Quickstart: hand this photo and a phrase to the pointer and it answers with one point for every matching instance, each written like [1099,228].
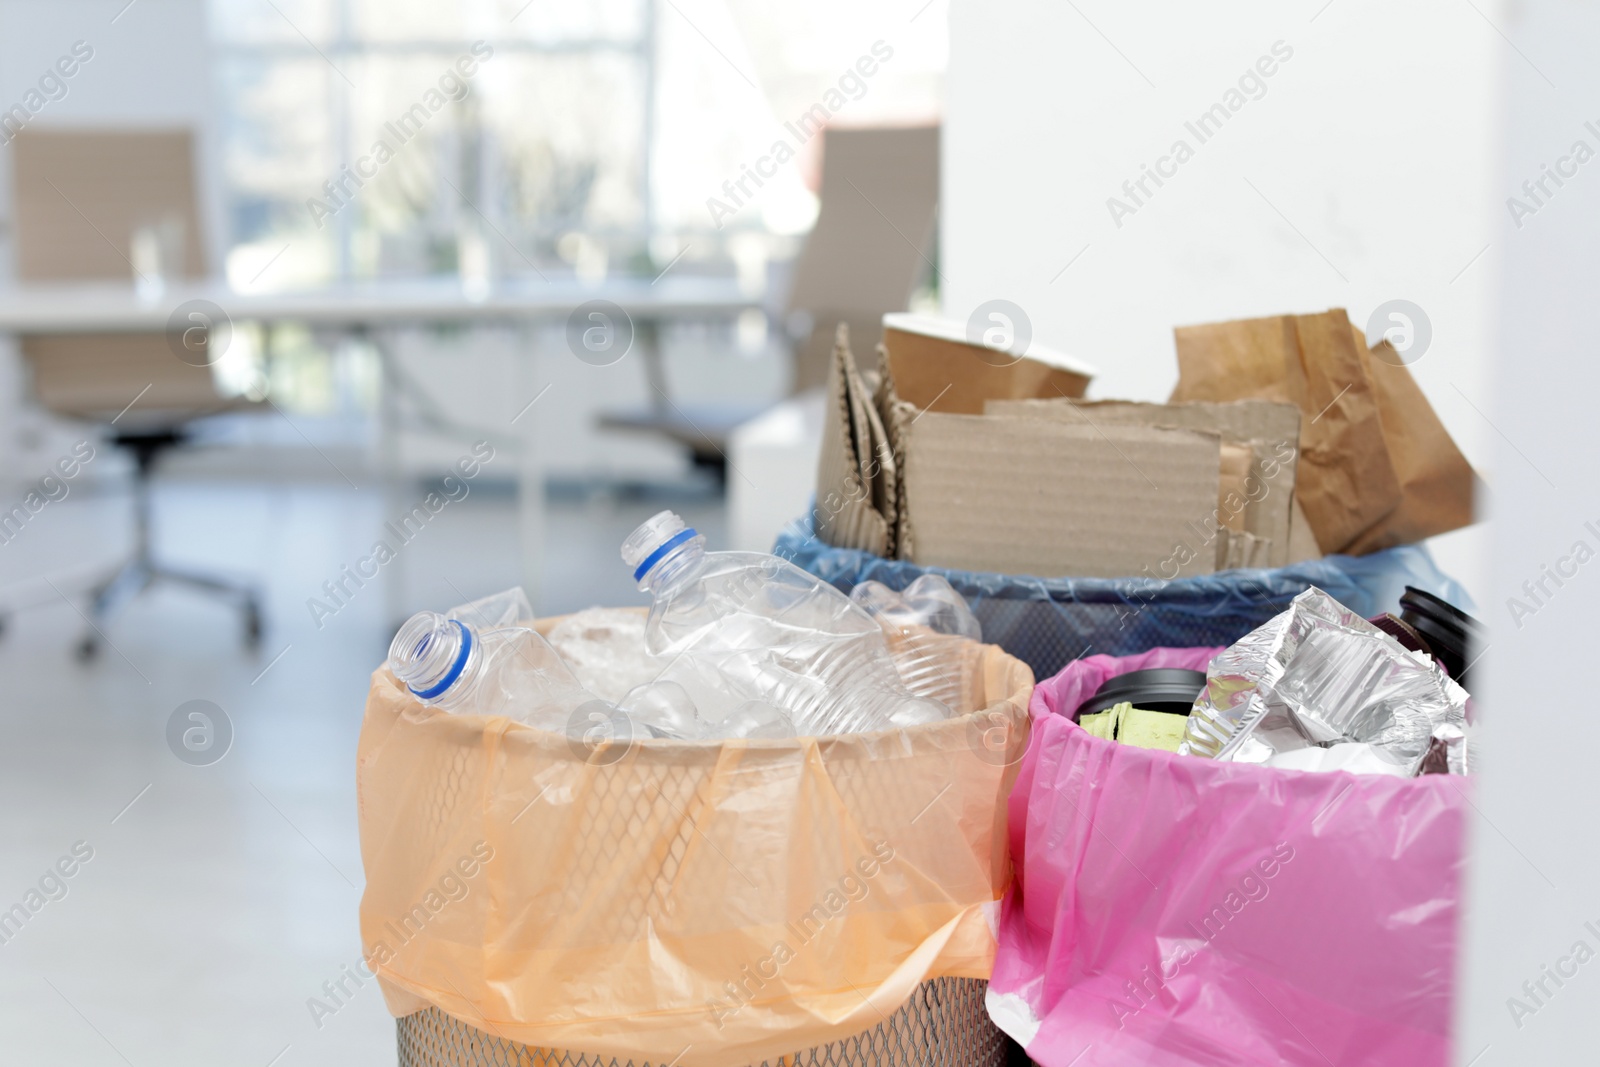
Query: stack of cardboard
[950,454]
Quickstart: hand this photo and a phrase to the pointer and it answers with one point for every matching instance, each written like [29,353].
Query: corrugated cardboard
[879,469]
[1256,501]
[936,368]
[1346,481]
[895,415]
[1233,485]
[1236,546]
[1302,542]
[849,468]
[1029,496]
[1237,550]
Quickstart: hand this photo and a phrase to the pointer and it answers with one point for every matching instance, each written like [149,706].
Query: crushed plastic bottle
[758,719]
[923,624]
[605,649]
[495,610]
[466,668]
[747,626]
[663,708]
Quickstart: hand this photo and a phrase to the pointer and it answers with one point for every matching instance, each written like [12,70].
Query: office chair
[81,196]
[871,243]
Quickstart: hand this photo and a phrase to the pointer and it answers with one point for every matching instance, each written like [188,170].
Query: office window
[369,138]
[591,142]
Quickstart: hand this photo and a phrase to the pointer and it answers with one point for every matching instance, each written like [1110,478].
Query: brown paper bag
[1346,481]
[1436,481]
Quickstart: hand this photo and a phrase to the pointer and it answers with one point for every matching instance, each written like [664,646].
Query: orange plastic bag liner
[710,904]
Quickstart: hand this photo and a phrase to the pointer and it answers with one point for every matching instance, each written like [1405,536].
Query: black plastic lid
[1449,631]
[1408,636]
[1170,689]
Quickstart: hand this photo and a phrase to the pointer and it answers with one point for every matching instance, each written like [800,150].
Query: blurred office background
[586,149]
[579,159]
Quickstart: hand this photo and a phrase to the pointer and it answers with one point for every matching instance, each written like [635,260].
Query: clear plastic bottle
[506,608]
[745,626]
[926,625]
[509,670]
[758,719]
[661,708]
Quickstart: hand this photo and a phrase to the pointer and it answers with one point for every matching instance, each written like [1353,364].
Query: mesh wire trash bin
[1047,622]
[711,903]
[944,1024]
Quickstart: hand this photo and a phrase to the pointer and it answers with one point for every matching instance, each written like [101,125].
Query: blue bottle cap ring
[666,546]
[455,668]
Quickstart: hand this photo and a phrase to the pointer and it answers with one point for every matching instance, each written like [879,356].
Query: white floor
[219,898]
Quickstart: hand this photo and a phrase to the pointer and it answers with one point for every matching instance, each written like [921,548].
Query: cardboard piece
[849,468]
[1436,481]
[874,447]
[1346,481]
[1236,545]
[1302,542]
[1028,496]
[1242,550]
[1255,495]
[896,415]
[936,368]
[1233,484]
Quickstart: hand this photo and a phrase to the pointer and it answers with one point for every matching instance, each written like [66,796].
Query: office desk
[375,309]
[34,309]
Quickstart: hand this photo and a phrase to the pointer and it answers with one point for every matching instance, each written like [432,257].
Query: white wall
[1536,872]
[1390,144]
[1360,175]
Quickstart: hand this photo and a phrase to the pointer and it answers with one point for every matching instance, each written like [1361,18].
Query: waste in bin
[713,903]
[1184,911]
[1048,621]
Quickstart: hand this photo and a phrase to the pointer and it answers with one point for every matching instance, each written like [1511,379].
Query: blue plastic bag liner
[1047,622]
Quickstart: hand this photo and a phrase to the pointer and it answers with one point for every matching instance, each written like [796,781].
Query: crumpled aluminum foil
[1319,674]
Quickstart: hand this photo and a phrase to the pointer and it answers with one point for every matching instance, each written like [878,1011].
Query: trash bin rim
[1209,770]
[1087,589]
[1018,699]
[424,712]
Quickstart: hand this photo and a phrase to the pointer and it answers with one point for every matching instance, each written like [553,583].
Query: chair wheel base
[253,627]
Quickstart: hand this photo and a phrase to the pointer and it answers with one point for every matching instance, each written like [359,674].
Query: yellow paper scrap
[1150,729]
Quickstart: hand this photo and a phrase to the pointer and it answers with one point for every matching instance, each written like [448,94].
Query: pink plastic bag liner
[1173,910]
